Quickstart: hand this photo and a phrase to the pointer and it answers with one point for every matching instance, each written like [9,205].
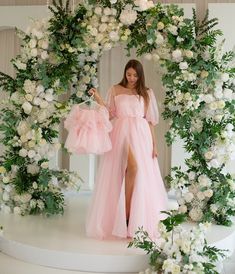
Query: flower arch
[63,51]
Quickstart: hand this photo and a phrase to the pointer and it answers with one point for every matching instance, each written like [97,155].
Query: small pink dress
[88,130]
[107,216]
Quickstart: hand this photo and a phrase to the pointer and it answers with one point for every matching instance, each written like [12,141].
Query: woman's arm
[154,154]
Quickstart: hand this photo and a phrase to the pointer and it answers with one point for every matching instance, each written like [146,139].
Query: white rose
[114,36]
[213,105]
[188,53]
[104,19]
[49,97]
[229,127]
[5,196]
[177,55]
[214,163]
[159,39]
[98,10]
[188,197]
[220,104]
[218,117]
[39,89]
[23,152]
[209,155]
[183,65]
[128,16]
[224,77]
[93,31]
[228,94]
[191,175]
[44,104]
[43,44]
[208,98]
[31,153]
[204,180]
[107,11]
[33,203]
[27,107]
[37,101]
[45,164]
[183,209]
[155,57]
[44,55]
[113,1]
[160,25]
[208,193]
[34,52]
[200,196]
[32,43]
[214,208]
[32,169]
[195,214]
[173,29]
[103,27]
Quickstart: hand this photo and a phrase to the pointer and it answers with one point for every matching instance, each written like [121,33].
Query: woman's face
[131,76]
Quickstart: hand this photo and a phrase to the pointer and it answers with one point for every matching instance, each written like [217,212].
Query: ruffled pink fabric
[88,130]
[107,213]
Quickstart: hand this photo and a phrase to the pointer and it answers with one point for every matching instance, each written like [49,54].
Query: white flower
[27,107]
[204,181]
[208,193]
[49,97]
[20,65]
[107,11]
[98,10]
[23,128]
[214,208]
[183,209]
[114,36]
[44,104]
[32,169]
[94,31]
[224,77]
[104,19]
[183,65]
[34,52]
[128,16]
[195,214]
[214,163]
[35,185]
[177,55]
[23,152]
[160,25]
[45,164]
[33,203]
[229,127]
[188,53]
[29,97]
[5,196]
[173,29]
[228,94]
[155,57]
[159,39]
[144,4]
[220,104]
[209,155]
[200,195]
[31,153]
[103,27]
[113,1]
[32,43]
[44,55]
[188,197]
[191,175]
[43,44]
[25,198]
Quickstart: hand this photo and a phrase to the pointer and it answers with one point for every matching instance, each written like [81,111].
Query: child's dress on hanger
[88,130]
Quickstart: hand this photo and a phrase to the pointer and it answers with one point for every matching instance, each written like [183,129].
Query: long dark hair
[141,89]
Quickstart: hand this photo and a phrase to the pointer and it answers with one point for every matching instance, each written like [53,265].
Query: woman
[129,191]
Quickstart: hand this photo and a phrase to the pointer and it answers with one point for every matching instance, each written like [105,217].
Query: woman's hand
[94,92]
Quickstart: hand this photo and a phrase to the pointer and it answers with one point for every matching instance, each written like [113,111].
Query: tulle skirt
[107,213]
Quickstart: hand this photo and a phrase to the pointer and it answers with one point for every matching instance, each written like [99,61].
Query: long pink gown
[106,215]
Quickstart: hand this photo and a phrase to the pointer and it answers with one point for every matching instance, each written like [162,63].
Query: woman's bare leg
[130,180]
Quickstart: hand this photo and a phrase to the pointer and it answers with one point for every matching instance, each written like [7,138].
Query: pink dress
[88,130]
[106,216]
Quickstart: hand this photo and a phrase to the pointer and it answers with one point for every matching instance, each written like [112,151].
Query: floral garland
[179,250]
[61,53]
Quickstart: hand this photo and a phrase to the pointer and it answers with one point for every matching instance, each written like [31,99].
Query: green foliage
[173,220]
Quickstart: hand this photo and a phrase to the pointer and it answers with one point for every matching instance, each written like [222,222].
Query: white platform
[60,242]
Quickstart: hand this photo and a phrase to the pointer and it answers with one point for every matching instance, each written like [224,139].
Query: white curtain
[9,48]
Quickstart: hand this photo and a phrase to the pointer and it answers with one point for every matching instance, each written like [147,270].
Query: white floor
[9,265]
[46,233]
